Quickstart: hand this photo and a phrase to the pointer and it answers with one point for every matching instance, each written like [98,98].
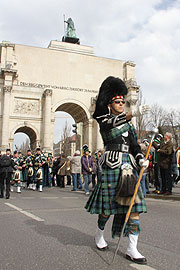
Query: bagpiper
[17,175]
[29,171]
[38,171]
[119,165]
[50,166]
[22,162]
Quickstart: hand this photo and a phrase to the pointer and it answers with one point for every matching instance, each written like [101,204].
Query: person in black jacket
[56,166]
[6,170]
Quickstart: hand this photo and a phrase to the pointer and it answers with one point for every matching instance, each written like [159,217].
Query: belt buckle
[125,148]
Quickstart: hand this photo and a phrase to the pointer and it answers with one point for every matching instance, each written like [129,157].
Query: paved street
[51,230]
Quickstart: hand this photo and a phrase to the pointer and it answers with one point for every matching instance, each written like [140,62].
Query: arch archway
[81,115]
[30,132]
[75,108]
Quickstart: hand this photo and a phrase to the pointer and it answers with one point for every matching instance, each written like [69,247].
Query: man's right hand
[129,116]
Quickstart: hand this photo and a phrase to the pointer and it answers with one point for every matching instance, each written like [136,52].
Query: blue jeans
[143,184]
[76,179]
[87,181]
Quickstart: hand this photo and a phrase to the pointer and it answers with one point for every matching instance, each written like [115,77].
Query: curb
[164,197]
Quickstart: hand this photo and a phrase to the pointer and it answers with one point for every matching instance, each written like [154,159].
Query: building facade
[36,82]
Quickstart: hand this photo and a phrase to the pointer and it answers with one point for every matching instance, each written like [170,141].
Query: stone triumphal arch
[36,82]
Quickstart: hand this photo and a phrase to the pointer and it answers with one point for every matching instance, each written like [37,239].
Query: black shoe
[139,261]
[73,189]
[7,196]
[1,196]
[162,192]
[168,193]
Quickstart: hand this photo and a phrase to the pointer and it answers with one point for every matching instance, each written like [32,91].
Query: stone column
[47,120]
[90,130]
[99,141]
[87,133]
[5,117]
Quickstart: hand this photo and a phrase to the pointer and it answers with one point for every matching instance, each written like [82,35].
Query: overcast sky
[144,31]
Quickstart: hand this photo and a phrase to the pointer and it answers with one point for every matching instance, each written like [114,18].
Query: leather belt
[117,147]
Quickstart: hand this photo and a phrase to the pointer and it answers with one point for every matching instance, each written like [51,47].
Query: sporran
[126,187]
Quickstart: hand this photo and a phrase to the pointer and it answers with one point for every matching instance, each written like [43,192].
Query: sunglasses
[118,101]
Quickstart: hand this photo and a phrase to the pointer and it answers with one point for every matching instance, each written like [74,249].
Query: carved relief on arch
[25,106]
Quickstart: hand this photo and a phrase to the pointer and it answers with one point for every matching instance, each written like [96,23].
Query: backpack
[5,161]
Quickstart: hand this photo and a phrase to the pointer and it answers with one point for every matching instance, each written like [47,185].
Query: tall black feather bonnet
[110,88]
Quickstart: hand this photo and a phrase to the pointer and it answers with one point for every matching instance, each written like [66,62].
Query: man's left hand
[144,163]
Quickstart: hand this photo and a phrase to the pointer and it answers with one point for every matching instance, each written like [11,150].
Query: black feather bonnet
[110,87]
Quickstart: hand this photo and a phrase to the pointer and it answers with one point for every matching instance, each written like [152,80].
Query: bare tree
[24,147]
[166,121]
[173,124]
[65,138]
[158,117]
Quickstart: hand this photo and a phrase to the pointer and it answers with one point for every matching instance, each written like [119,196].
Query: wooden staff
[133,198]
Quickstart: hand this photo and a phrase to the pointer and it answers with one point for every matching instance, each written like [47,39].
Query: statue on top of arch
[70,34]
[70,31]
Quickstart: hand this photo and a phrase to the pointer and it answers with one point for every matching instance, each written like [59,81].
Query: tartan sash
[109,135]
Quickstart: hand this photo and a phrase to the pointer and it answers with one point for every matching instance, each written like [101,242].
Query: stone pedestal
[71,40]
[99,141]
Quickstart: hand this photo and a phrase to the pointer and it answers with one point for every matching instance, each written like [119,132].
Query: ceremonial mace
[135,193]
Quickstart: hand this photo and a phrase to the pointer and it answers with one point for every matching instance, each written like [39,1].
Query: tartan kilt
[102,199]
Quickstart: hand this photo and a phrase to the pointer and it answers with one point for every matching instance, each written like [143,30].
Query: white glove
[144,163]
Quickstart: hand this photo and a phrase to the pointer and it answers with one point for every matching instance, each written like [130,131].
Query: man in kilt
[38,162]
[120,163]
[17,175]
[29,171]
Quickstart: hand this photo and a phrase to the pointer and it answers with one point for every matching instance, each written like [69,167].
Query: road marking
[24,212]
[141,267]
[49,197]
[162,201]
[70,197]
[28,198]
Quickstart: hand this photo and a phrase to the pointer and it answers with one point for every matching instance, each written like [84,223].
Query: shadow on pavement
[70,236]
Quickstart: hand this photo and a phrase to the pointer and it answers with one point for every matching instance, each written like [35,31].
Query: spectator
[157,175]
[68,172]
[174,170]
[150,172]
[97,170]
[164,162]
[6,170]
[55,168]
[87,168]
[94,171]
[144,148]
[61,171]
[178,163]
[75,162]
